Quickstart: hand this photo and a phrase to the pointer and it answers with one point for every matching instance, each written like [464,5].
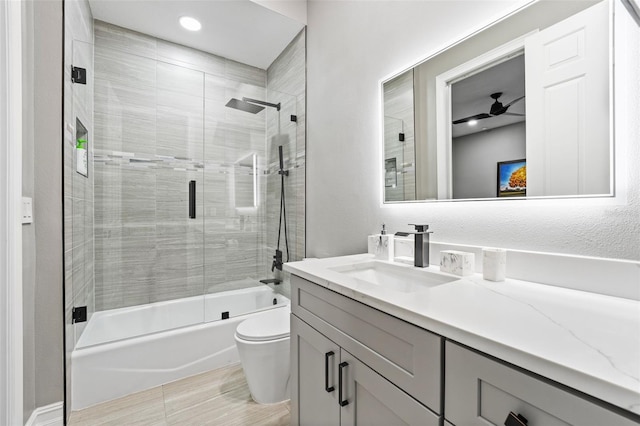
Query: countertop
[586,341]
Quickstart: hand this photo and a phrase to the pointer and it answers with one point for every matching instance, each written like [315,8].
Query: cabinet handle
[514,419]
[192,199]
[326,371]
[340,368]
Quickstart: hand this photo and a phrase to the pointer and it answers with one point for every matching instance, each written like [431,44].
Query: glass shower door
[148,149]
[179,183]
[282,131]
[79,189]
[242,195]
[234,157]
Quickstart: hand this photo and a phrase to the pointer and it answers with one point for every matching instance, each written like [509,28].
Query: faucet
[421,244]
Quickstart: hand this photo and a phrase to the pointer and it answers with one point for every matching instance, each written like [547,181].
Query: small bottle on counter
[381,245]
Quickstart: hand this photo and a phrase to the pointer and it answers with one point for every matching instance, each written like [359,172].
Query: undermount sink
[394,277]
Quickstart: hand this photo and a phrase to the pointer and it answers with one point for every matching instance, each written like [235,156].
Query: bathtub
[123,351]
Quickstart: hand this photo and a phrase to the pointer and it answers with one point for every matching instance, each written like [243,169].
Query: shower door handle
[192,199]
[326,371]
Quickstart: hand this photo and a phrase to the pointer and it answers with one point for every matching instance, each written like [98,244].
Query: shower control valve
[277,261]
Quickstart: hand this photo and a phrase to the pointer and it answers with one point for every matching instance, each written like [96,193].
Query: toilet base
[266,367]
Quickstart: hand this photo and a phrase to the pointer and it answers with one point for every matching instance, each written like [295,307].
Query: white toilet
[263,345]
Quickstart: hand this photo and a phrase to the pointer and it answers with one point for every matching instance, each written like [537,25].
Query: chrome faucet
[420,244]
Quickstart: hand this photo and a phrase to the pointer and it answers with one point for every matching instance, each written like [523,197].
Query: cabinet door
[370,399]
[314,369]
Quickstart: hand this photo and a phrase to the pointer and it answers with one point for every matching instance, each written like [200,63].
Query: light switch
[27,210]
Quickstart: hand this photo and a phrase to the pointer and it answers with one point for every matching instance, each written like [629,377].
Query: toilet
[263,346]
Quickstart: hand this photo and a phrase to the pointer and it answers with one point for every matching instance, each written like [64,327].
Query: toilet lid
[270,325]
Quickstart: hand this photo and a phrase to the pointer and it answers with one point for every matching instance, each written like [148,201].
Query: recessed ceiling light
[472,122]
[189,23]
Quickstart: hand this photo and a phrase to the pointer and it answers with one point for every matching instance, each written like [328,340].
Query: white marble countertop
[586,341]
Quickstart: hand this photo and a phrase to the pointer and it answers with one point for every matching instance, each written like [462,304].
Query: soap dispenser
[381,245]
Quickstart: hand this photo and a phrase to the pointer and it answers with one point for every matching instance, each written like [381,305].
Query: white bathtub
[127,350]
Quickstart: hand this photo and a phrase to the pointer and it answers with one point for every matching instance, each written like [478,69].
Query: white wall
[42,179]
[352,45]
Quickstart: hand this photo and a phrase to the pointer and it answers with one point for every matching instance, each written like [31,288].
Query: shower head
[250,105]
[244,106]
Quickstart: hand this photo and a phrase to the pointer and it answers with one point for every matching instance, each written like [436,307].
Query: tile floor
[218,397]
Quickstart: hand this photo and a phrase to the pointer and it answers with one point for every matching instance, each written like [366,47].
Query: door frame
[11,365]
[443,103]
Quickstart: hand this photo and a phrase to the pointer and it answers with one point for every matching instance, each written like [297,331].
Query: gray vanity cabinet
[391,370]
[332,387]
[394,372]
[481,391]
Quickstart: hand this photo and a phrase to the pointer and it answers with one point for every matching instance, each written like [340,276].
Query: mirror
[245,181]
[519,109]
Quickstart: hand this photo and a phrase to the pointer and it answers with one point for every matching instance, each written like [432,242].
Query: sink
[394,277]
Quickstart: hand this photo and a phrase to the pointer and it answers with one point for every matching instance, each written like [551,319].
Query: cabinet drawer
[481,391]
[404,354]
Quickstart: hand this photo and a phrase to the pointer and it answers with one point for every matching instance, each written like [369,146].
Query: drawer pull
[514,419]
[340,368]
[326,371]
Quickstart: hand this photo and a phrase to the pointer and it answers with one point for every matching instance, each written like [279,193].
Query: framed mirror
[533,89]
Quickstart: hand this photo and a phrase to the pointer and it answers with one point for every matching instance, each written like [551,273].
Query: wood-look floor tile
[282,418]
[218,397]
[142,408]
[190,392]
[234,407]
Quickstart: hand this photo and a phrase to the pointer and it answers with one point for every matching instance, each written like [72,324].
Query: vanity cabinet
[387,371]
[390,369]
[482,391]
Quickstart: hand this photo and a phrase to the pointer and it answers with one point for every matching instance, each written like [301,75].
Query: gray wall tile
[114,37]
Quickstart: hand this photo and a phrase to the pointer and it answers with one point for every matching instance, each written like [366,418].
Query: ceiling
[472,96]
[242,30]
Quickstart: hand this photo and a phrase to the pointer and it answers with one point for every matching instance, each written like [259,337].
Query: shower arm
[258,102]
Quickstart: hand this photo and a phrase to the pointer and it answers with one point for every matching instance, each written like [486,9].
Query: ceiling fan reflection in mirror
[497,108]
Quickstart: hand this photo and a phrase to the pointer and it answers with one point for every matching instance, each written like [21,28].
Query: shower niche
[82,149]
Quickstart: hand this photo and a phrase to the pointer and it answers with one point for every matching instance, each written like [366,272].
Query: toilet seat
[270,325]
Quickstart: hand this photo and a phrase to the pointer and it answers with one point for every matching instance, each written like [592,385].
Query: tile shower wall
[286,83]
[78,189]
[160,122]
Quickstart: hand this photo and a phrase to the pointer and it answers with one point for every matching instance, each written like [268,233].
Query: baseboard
[49,415]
